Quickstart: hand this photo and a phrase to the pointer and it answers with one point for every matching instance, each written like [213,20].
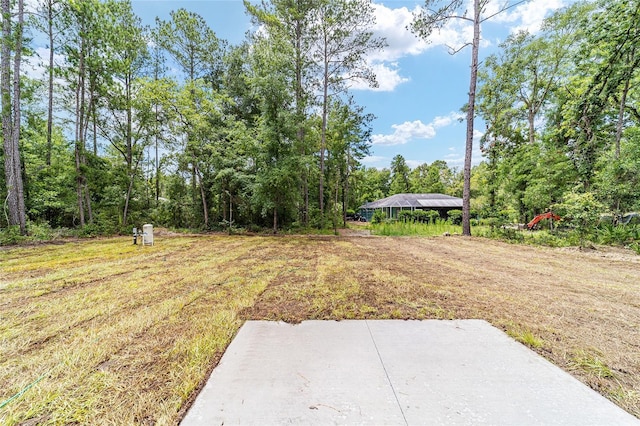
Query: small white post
[147,234]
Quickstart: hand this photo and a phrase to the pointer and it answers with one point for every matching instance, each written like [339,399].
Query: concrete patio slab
[393,373]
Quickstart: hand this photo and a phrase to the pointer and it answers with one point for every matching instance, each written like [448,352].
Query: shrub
[580,211]
[432,215]
[544,238]
[378,217]
[420,216]
[511,234]
[608,233]
[10,235]
[493,222]
[455,216]
[406,216]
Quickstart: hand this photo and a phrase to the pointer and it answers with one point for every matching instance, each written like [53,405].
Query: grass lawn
[104,332]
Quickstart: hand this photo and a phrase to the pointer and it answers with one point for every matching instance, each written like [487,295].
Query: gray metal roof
[435,201]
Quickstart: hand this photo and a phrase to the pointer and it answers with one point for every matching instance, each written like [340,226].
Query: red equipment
[547,215]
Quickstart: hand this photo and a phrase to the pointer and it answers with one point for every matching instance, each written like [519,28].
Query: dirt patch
[354,232]
[604,252]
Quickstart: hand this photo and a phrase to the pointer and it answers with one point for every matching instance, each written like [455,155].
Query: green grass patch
[592,364]
[525,336]
[401,228]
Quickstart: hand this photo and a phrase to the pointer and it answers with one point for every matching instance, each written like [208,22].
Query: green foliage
[503,233]
[192,44]
[11,235]
[435,178]
[406,216]
[580,211]
[378,217]
[50,188]
[623,235]
[618,177]
[35,232]
[399,176]
[545,238]
[420,216]
[559,116]
[373,184]
[455,216]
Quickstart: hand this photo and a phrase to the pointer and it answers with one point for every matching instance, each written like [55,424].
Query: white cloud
[31,6]
[377,162]
[373,159]
[528,16]
[392,24]
[414,163]
[411,130]
[454,35]
[387,75]
[36,67]
[405,132]
[456,159]
[448,119]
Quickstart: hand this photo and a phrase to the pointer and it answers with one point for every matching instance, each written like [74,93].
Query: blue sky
[421,86]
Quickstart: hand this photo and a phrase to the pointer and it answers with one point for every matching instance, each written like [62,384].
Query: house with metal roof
[392,205]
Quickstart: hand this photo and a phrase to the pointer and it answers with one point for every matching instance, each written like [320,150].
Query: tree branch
[505,7]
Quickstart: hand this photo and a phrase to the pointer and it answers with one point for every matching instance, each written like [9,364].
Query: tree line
[562,117]
[264,133]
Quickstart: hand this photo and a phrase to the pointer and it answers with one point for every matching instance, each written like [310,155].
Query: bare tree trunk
[299,92]
[334,210]
[323,145]
[11,115]
[306,197]
[94,123]
[79,132]
[22,217]
[345,190]
[205,207]
[126,201]
[11,202]
[131,167]
[79,185]
[275,219]
[50,94]
[157,159]
[87,197]
[323,138]
[620,124]
[532,127]
[466,192]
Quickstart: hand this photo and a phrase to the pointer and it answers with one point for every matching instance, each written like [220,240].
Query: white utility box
[147,234]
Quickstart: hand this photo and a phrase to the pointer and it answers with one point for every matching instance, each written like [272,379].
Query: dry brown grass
[121,334]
